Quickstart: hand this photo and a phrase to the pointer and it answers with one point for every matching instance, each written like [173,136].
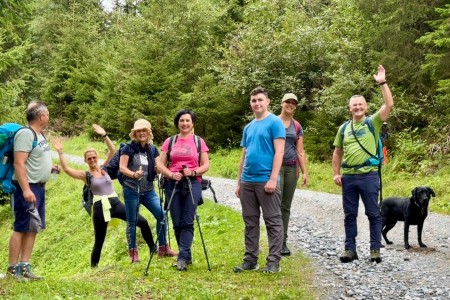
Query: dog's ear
[413,192]
[431,191]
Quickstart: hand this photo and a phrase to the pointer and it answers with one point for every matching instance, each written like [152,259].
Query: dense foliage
[150,58]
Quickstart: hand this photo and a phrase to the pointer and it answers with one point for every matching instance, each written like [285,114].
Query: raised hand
[58,145]
[380,77]
[98,129]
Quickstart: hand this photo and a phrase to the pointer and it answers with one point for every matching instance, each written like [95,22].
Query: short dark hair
[259,90]
[35,109]
[184,112]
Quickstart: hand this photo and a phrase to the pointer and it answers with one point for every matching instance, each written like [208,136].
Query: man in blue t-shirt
[258,187]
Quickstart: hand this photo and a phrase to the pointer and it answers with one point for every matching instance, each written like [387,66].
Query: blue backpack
[7,133]
[376,159]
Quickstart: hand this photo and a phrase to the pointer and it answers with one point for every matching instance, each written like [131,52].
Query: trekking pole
[138,204]
[160,230]
[161,201]
[198,222]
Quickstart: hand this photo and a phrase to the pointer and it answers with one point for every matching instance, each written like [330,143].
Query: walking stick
[165,219]
[198,222]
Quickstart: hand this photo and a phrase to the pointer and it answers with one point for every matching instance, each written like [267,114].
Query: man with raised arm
[354,153]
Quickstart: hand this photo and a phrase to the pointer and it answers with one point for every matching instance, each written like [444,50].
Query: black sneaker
[181,265]
[348,256]
[375,255]
[285,250]
[26,272]
[272,267]
[246,266]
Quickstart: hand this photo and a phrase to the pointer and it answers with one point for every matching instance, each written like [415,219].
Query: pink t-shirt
[184,152]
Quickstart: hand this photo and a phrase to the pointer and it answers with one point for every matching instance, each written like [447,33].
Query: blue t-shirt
[258,139]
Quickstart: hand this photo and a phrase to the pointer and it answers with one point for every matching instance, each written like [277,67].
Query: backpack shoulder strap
[172,141]
[369,123]
[88,178]
[343,128]
[35,140]
[297,127]
[198,145]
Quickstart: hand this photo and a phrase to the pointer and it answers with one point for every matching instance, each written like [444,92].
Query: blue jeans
[151,201]
[182,211]
[367,186]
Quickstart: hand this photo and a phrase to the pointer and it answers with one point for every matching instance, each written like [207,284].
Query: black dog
[412,211]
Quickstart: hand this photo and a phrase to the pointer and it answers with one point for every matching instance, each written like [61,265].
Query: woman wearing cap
[137,163]
[294,157]
[106,202]
[183,165]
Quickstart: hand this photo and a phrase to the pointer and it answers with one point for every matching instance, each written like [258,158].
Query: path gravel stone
[317,229]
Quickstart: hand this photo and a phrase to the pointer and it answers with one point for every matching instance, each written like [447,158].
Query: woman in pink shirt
[184,159]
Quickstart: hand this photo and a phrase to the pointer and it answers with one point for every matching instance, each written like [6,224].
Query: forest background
[150,58]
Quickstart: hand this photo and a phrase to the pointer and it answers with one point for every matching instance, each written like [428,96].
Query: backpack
[206,183]
[297,128]
[377,158]
[7,133]
[113,167]
[87,197]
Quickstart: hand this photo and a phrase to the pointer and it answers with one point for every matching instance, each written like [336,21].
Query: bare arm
[20,159]
[386,108]
[301,155]
[77,174]
[278,145]
[111,149]
[336,164]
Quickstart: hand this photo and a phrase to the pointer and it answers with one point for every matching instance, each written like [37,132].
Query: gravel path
[317,229]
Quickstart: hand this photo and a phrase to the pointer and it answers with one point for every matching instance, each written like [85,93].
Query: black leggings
[100,227]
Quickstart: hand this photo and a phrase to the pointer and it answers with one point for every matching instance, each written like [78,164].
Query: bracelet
[382,83]
[60,152]
[105,135]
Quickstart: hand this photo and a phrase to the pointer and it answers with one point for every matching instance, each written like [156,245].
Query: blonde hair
[89,150]
[149,138]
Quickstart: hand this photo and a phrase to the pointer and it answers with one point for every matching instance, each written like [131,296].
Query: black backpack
[87,197]
[113,165]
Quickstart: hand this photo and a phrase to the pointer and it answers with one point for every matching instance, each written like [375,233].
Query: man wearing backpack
[359,170]
[32,166]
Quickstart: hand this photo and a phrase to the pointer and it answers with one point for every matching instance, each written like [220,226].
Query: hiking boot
[134,257]
[25,270]
[181,265]
[165,250]
[188,262]
[348,256]
[375,256]
[272,267]
[14,272]
[285,250]
[246,266]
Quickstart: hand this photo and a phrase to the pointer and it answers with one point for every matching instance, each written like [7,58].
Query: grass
[62,251]
[62,256]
